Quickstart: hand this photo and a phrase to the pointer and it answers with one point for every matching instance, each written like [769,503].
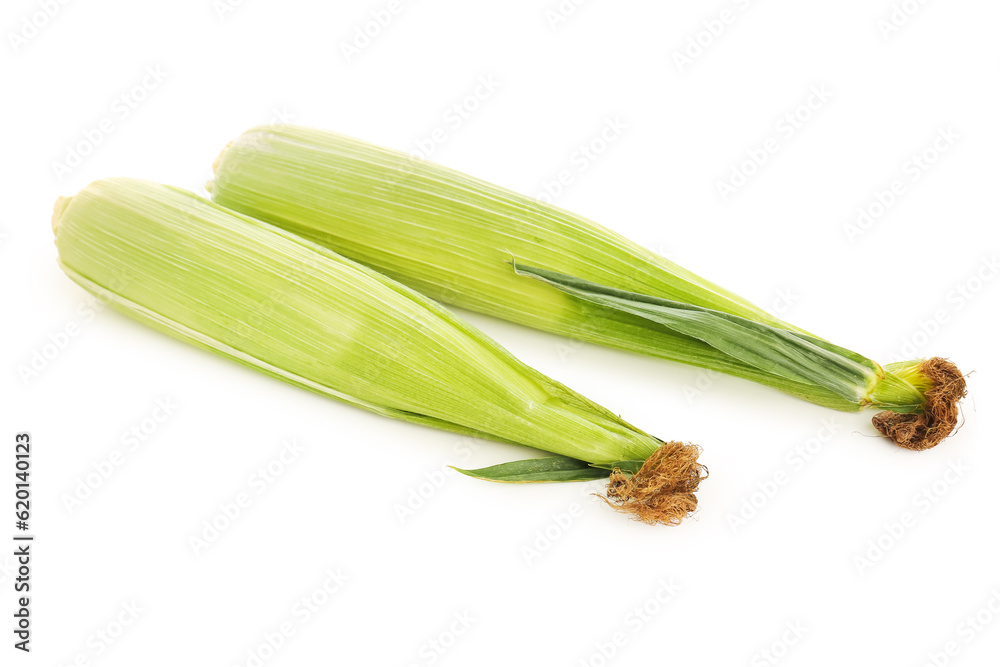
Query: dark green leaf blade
[547,469]
[627,467]
[794,356]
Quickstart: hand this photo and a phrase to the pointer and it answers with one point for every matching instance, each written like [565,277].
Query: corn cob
[299,312]
[466,242]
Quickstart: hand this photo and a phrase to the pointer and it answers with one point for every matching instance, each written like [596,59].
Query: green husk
[545,469]
[294,310]
[458,239]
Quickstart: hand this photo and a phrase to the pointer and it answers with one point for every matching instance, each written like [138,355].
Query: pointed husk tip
[57,212]
[210,183]
[940,416]
[663,491]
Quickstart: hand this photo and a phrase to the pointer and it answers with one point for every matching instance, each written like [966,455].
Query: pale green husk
[459,240]
[297,311]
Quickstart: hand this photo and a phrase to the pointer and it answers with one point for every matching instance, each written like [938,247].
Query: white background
[823,552]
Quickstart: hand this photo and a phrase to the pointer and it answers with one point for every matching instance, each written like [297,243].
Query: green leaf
[547,469]
[791,355]
[628,467]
